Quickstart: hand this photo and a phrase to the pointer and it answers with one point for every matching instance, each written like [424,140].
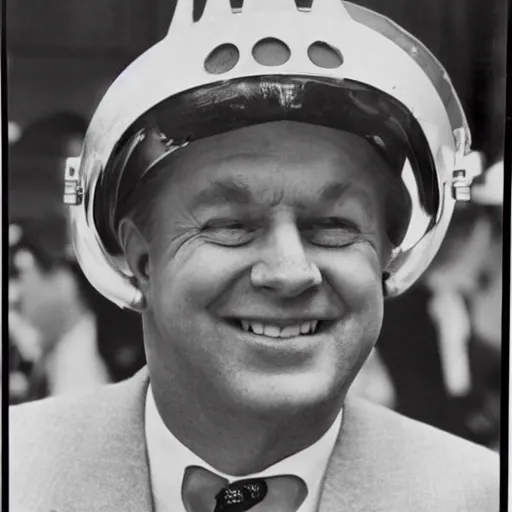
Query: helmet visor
[225,106]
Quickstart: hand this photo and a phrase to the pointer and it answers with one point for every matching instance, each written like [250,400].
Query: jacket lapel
[358,477]
[379,464]
[337,494]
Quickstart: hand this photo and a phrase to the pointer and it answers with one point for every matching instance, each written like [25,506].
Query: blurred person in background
[448,374]
[60,327]
[57,135]
[49,308]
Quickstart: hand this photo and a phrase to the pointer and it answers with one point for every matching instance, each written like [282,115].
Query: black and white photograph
[256,255]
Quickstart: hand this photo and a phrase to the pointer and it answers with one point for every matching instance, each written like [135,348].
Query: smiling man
[264,291]
[256,209]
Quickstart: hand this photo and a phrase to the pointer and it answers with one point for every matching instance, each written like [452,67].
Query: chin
[288,394]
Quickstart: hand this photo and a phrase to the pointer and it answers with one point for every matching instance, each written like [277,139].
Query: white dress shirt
[168,459]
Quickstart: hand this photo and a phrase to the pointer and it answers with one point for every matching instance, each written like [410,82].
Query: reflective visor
[226,106]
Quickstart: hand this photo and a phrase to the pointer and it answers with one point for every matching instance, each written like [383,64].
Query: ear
[136,251]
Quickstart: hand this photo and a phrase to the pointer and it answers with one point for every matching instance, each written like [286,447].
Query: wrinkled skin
[276,222]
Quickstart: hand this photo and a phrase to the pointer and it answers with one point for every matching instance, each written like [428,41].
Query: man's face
[265,266]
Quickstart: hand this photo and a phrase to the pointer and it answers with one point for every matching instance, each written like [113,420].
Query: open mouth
[270,330]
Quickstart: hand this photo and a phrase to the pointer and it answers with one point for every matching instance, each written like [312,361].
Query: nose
[284,268]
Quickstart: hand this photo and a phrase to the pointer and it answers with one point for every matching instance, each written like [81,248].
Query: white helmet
[334,64]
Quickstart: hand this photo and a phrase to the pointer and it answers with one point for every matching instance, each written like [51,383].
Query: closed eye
[229,232]
[331,232]
[224,225]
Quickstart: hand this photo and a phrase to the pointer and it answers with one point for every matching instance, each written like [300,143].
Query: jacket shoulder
[423,457]
[416,432]
[57,416]
[58,446]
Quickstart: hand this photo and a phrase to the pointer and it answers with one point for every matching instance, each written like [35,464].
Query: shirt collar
[168,459]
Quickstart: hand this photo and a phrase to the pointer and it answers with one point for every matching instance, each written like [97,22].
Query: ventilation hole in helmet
[324,55]
[222,59]
[304,5]
[271,52]
[198,9]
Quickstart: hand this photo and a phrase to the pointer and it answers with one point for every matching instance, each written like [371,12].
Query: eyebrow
[333,192]
[220,192]
[237,192]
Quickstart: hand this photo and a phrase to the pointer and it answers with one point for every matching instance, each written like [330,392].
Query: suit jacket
[88,454]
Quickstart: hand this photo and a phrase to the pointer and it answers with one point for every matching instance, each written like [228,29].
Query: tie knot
[241,495]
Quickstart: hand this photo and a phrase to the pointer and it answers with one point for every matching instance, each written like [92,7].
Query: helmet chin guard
[333,43]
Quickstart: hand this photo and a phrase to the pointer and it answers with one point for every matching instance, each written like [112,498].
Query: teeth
[290,331]
[305,327]
[273,331]
[257,327]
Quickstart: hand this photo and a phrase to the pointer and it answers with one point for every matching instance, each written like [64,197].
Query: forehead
[285,156]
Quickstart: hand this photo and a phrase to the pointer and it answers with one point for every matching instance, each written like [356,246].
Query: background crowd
[438,358]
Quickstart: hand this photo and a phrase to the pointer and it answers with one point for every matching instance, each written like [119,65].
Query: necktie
[203,491]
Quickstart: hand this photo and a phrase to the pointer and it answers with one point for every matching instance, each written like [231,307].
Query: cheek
[355,274]
[355,277]
[196,275]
